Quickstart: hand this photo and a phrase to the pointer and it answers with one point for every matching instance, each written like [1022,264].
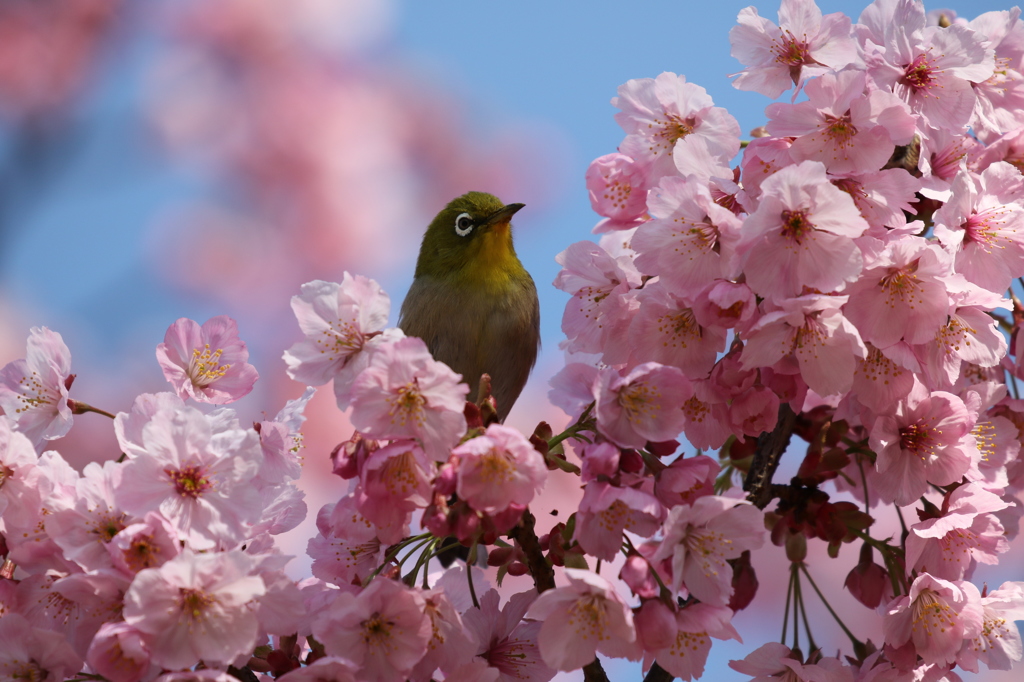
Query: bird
[472,301]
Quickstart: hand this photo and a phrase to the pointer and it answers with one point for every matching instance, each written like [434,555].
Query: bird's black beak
[503,215]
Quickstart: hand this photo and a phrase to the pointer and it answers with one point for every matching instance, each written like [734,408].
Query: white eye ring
[463,224]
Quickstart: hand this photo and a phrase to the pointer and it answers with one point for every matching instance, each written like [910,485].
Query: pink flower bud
[637,573]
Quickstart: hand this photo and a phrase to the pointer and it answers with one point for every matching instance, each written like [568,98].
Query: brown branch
[526,535]
[658,674]
[593,672]
[770,447]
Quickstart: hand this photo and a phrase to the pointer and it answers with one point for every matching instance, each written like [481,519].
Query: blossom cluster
[854,270]
[848,283]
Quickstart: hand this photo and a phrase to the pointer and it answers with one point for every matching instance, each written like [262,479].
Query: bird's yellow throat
[492,263]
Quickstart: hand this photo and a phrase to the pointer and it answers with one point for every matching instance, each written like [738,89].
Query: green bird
[472,301]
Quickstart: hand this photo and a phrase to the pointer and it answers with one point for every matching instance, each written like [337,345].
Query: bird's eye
[463,224]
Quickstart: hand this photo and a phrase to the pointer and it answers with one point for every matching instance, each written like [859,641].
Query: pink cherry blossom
[451,644]
[802,46]
[776,661]
[686,479]
[508,643]
[982,224]
[998,644]
[606,511]
[1001,97]
[691,239]
[618,191]
[197,478]
[499,468]
[841,125]
[573,387]
[74,604]
[347,549]
[901,295]
[149,543]
[933,619]
[699,538]
[383,630]
[281,441]
[813,331]
[85,530]
[596,281]
[665,330]
[34,391]
[970,335]
[196,608]
[120,653]
[879,381]
[724,304]
[643,405]
[340,323]
[581,619]
[801,235]
[967,531]
[661,116]
[706,415]
[394,482]
[208,363]
[930,68]
[34,653]
[688,651]
[925,440]
[19,473]
[884,198]
[405,393]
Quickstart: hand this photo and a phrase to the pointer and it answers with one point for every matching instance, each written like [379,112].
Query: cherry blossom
[194,608]
[901,295]
[812,330]
[933,619]
[998,644]
[119,652]
[405,393]
[803,45]
[982,225]
[618,191]
[802,234]
[383,630]
[841,125]
[661,116]
[947,546]
[394,482]
[699,538]
[688,650]
[596,282]
[208,363]
[30,652]
[666,330]
[347,548]
[930,68]
[34,391]
[196,477]
[499,468]
[606,511]
[691,239]
[586,617]
[643,405]
[926,440]
[341,323]
[508,643]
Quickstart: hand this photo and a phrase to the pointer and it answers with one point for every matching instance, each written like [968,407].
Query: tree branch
[770,447]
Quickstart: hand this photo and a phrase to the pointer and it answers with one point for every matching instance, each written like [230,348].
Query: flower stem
[78,407]
[856,642]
